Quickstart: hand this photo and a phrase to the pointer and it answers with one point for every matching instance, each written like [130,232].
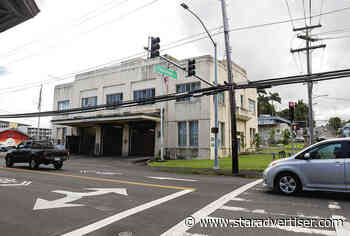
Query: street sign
[165,71]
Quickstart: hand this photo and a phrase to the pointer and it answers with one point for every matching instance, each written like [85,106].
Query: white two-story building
[136,130]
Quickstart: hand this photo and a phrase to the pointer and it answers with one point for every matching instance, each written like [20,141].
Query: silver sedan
[324,166]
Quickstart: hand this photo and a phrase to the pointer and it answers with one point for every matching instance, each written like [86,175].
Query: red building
[12,137]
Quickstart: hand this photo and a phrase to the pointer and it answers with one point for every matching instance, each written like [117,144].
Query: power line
[66,76]
[85,32]
[76,22]
[240,28]
[290,14]
[321,9]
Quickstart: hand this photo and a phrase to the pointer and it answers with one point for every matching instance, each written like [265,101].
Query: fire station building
[133,131]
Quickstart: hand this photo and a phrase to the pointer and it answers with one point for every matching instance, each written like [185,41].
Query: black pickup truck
[36,153]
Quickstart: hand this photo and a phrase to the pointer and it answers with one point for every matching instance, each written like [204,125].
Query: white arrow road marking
[41,204]
[169,178]
[342,230]
[181,227]
[112,219]
[25,183]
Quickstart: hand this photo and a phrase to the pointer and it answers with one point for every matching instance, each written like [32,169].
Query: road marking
[42,204]
[342,230]
[240,199]
[334,205]
[24,183]
[100,172]
[262,211]
[169,178]
[112,219]
[100,179]
[181,227]
[293,229]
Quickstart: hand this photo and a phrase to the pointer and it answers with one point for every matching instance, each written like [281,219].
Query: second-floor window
[89,102]
[182,88]
[140,95]
[251,105]
[242,101]
[63,105]
[114,98]
[193,133]
[221,98]
[182,133]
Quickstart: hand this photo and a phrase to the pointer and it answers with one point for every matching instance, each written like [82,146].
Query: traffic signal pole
[234,143]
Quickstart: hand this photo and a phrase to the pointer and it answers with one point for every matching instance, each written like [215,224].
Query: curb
[206,171]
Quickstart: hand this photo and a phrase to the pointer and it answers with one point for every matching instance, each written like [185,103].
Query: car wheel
[9,162]
[287,183]
[58,165]
[33,164]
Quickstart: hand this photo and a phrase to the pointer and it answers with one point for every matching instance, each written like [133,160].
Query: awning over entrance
[94,120]
[14,12]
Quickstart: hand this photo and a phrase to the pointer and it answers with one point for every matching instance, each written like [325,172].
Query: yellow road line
[101,179]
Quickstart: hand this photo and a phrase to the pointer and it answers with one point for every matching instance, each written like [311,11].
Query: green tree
[264,99]
[301,112]
[286,136]
[335,123]
[272,138]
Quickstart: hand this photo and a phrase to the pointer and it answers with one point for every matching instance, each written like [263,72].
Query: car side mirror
[307,156]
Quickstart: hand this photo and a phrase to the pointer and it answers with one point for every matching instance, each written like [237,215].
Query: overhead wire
[290,14]
[66,76]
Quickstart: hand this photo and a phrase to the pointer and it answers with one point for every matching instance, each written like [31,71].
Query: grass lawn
[246,162]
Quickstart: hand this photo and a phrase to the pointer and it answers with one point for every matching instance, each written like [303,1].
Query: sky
[71,36]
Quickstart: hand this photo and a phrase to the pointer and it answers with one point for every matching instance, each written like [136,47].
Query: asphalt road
[103,196]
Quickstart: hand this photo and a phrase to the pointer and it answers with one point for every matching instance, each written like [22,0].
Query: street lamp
[216,165]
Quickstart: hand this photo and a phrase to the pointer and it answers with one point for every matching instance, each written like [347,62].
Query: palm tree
[274,97]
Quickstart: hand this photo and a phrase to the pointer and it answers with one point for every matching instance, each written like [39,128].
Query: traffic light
[191,67]
[155,47]
[291,111]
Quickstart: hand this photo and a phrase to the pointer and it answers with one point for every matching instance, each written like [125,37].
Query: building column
[125,144]
[98,141]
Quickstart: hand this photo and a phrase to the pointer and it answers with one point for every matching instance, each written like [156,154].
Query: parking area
[258,211]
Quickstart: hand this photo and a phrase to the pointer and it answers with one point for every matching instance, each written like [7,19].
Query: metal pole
[234,144]
[292,137]
[216,165]
[39,108]
[309,87]
[161,124]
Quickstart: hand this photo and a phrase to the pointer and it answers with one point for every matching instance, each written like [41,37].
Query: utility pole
[39,109]
[308,49]
[234,144]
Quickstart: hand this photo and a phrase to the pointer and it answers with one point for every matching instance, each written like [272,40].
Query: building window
[242,101]
[63,105]
[182,88]
[194,133]
[221,98]
[222,134]
[114,98]
[182,134]
[140,95]
[251,105]
[89,102]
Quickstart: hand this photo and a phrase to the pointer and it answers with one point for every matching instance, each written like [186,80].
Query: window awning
[14,12]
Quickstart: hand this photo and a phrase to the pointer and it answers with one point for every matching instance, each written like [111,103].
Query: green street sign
[166,71]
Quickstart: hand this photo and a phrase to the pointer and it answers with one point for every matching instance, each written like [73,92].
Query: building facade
[136,130]
[272,124]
